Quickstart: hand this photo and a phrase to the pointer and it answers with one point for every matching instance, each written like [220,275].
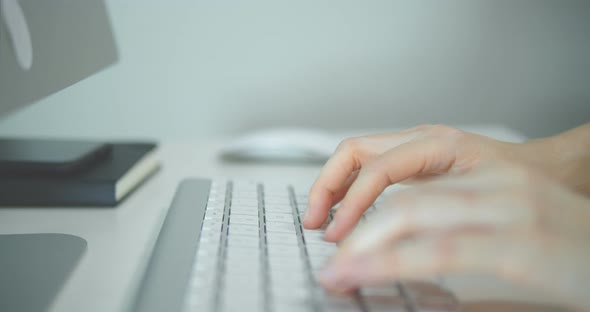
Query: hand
[361,168]
[506,220]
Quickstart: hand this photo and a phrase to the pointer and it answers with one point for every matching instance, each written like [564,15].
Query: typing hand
[361,168]
[504,219]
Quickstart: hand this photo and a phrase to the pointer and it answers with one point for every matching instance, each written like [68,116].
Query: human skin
[514,210]
[502,219]
[362,167]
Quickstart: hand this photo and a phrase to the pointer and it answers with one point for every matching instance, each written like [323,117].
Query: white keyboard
[254,255]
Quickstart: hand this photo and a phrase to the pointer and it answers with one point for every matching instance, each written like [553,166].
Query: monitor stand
[34,268]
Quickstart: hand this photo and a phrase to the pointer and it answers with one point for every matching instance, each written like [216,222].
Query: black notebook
[104,184]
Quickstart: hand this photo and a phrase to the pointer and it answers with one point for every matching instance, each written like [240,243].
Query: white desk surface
[120,239]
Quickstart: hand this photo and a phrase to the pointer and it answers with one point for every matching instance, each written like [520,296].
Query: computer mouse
[281,145]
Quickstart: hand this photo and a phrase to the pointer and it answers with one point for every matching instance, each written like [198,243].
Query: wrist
[542,154]
[563,157]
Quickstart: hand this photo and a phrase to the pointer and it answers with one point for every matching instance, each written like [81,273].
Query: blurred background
[190,69]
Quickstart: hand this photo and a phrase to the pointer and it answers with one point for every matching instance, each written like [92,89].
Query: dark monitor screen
[46,46]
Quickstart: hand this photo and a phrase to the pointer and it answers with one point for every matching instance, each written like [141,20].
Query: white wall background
[197,68]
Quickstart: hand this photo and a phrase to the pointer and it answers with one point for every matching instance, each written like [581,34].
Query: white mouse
[283,145]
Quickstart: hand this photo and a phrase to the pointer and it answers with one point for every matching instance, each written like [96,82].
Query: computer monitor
[46,46]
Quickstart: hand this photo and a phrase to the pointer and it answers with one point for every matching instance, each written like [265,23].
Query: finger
[336,198]
[434,209]
[363,194]
[342,192]
[420,179]
[398,164]
[350,156]
[331,180]
[558,267]
[427,257]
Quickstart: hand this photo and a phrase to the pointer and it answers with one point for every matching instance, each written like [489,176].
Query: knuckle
[454,134]
[443,129]
[446,132]
[350,144]
[355,148]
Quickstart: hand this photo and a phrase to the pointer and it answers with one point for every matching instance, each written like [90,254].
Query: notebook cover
[96,186]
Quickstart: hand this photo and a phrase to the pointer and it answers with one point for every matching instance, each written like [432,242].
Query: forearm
[565,156]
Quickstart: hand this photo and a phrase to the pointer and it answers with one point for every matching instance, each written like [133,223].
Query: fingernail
[306,215]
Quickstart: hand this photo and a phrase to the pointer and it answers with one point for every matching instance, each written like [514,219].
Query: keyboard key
[281,235]
[277,201]
[321,251]
[338,303]
[385,298]
[248,211]
[289,280]
[200,282]
[212,225]
[283,294]
[282,208]
[239,281]
[281,268]
[247,303]
[438,304]
[283,252]
[279,217]
[199,301]
[243,219]
[286,240]
[419,289]
[284,227]
[236,256]
[243,241]
[207,253]
[250,269]
[293,306]
[244,229]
